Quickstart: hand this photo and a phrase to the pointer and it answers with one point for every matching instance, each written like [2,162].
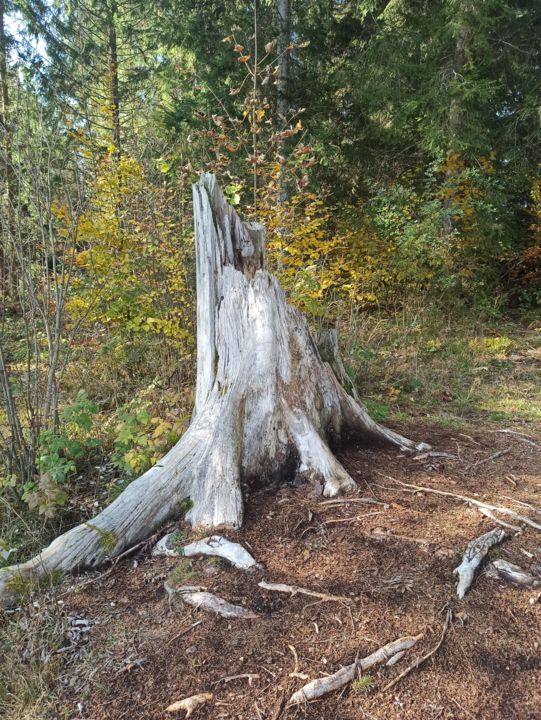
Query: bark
[282,99]
[9,181]
[267,407]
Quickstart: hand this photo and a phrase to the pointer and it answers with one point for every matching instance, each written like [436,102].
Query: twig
[494,456]
[419,662]
[185,631]
[243,676]
[350,519]
[115,562]
[523,504]
[351,501]
[520,436]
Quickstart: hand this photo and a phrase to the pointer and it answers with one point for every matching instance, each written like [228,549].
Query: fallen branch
[471,501]
[419,662]
[473,557]
[352,501]
[295,590]
[503,570]
[494,456]
[322,686]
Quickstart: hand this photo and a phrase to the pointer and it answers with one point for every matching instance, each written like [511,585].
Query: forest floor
[125,656]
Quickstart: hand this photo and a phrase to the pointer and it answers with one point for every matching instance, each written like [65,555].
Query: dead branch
[419,662]
[514,574]
[321,686]
[473,557]
[494,456]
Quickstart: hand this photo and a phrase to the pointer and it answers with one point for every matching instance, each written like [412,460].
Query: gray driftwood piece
[215,546]
[473,557]
[514,574]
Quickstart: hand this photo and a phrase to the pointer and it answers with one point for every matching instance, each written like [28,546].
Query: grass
[363,685]
[29,643]
[181,573]
[452,371]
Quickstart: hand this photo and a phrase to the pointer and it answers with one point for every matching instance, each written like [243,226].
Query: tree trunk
[267,406]
[113,70]
[282,100]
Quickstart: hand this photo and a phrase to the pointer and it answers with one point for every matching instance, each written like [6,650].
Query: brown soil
[395,563]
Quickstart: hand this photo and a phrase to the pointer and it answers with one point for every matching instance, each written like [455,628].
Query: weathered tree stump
[268,408]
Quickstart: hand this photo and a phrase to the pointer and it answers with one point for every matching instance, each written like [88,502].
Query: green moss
[180,574]
[108,538]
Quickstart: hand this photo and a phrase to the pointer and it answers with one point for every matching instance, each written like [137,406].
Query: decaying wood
[295,590]
[207,601]
[322,686]
[216,546]
[419,662]
[514,574]
[267,407]
[470,501]
[189,704]
[474,556]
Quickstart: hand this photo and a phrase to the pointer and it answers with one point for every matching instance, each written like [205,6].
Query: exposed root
[474,556]
[295,590]
[216,546]
[322,686]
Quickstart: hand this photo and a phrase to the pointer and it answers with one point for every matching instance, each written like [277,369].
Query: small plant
[363,685]
[181,573]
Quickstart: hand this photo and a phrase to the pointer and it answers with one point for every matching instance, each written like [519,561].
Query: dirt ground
[393,561]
